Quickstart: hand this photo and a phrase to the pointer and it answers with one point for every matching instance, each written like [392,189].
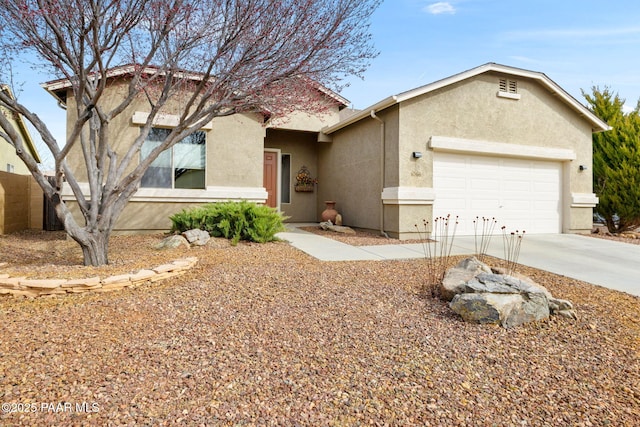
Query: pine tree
[616,161]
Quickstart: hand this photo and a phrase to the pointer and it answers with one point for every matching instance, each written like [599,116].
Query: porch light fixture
[582,168]
[417,154]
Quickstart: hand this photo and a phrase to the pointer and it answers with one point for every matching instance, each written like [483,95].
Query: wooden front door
[270,177]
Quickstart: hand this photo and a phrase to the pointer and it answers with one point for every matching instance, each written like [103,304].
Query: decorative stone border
[34,288]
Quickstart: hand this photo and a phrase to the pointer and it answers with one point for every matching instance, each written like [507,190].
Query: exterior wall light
[582,168]
[417,154]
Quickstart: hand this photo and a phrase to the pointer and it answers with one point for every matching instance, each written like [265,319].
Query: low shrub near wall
[233,220]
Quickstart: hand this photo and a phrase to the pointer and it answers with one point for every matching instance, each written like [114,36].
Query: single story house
[494,141]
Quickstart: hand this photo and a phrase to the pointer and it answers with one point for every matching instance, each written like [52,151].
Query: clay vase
[329,214]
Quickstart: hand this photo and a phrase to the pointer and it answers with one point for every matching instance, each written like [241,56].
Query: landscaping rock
[197,237]
[630,235]
[172,242]
[328,225]
[456,277]
[480,295]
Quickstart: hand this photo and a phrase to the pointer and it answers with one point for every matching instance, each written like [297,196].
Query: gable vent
[509,86]
[508,89]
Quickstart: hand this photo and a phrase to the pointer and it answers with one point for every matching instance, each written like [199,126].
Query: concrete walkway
[611,264]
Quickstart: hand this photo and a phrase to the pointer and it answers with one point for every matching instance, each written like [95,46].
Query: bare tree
[220,57]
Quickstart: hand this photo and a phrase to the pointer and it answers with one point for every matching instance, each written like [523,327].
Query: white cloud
[440,8]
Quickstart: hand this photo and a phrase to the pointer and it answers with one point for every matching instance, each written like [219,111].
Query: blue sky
[578,44]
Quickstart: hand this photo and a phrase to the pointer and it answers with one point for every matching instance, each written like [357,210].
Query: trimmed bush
[233,220]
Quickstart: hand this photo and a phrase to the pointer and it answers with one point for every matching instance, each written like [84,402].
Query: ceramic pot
[329,214]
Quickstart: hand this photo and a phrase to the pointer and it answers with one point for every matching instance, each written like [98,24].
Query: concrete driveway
[607,263]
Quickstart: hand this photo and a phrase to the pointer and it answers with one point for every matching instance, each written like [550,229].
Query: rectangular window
[10,168]
[181,166]
[285,191]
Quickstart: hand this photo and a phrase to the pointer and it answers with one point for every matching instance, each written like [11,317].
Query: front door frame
[278,173]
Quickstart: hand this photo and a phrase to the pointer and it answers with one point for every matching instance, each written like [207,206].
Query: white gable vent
[508,89]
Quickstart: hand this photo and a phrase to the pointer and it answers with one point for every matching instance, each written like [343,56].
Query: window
[285,193]
[181,166]
[10,168]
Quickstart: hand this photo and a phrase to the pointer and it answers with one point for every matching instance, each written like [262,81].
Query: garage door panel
[519,193]
[484,205]
[484,184]
[516,185]
[518,205]
[448,205]
[548,207]
[454,183]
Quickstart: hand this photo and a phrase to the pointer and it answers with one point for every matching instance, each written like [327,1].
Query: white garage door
[520,194]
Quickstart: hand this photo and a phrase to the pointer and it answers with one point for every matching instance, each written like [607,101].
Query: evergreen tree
[616,161]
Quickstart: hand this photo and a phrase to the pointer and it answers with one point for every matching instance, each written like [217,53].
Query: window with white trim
[181,166]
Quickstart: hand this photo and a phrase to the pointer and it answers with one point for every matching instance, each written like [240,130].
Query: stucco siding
[351,171]
[234,147]
[235,151]
[302,147]
[8,156]
[471,110]
[306,122]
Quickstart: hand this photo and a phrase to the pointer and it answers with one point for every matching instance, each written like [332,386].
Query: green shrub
[616,162]
[233,220]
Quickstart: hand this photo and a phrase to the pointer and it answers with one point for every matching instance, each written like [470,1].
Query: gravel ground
[266,335]
[361,237]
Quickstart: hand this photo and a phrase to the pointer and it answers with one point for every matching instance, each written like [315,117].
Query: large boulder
[480,294]
[456,278]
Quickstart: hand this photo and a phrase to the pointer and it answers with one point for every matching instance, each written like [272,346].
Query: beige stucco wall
[351,169]
[234,140]
[234,170]
[234,159]
[306,122]
[472,110]
[21,203]
[8,152]
[235,151]
[8,156]
[302,147]
[469,110]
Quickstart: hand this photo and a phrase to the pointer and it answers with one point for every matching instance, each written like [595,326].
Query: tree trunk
[95,246]
[95,249]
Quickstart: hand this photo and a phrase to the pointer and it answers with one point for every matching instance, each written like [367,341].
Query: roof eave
[385,103]
[597,124]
